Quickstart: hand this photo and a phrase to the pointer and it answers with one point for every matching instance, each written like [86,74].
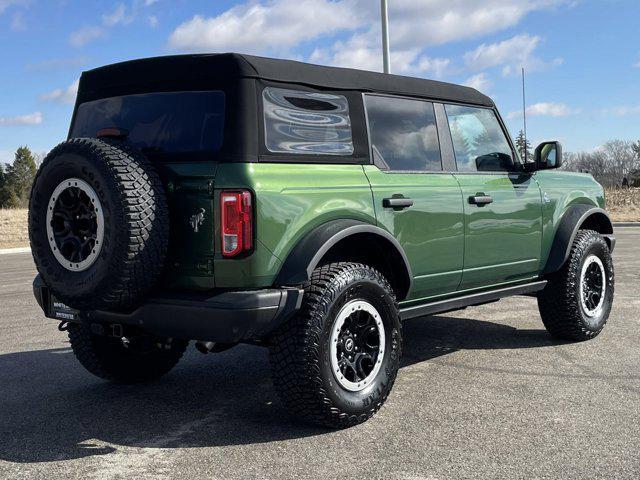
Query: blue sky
[582,57]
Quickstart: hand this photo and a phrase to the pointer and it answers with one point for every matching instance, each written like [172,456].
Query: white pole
[385,35]
[524,117]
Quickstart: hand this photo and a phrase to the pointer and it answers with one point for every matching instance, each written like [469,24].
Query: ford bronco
[228,199]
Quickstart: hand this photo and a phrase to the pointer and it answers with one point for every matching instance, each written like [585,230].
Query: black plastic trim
[223,316]
[571,221]
[308,252]
[457,303]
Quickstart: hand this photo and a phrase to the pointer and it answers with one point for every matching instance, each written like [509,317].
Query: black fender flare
[308,252]
[572,220]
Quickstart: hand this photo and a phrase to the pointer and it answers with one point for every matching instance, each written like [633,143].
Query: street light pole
[385,35]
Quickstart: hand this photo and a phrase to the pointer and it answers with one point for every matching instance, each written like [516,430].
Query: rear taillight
[236,222]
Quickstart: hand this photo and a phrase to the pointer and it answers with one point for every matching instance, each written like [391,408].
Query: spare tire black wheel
[98,224]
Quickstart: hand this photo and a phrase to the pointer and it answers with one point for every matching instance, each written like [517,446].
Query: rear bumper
[225,316]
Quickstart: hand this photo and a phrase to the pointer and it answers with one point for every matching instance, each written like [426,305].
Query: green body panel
[290,200]
[503,238]
[431,231]
[560,190]
[452,246]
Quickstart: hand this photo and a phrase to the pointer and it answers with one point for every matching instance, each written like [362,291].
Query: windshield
[172,122]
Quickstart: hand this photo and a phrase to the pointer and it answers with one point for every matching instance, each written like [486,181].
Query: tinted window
[403,133]
[478,140]
[309,123]
[175,122]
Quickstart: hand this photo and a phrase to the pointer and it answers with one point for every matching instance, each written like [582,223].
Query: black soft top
[190,72]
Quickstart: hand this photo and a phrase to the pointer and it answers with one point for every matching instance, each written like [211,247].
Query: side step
[470,300]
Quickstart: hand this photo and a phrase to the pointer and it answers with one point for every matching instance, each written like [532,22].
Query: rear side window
[310,123]
[403,133]
[171,122]
[478,140]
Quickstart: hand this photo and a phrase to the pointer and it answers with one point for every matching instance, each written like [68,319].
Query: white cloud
[84,35]
[62,95]
[479,81]
[436,67]
[511,54]
[277,25]
[363,51]
[118,16]
[419,24]
[433,22]
[546,109]
[34,118]
[57,64]
[17,22]
[623,110]
[5,4]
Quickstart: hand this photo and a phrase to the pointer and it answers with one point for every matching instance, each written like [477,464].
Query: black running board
[470,300]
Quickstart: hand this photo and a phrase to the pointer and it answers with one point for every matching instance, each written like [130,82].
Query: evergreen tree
[461,144]
[523,146]
[483,144]
[19,178]
[6,194]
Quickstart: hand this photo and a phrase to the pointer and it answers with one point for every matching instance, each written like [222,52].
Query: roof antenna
[524,118]
[385,35]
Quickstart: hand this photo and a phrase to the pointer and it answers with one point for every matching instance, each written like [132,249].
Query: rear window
[172,122]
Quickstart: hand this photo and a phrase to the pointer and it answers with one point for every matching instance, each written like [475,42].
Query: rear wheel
[335,363]
[577,300]
[133,359]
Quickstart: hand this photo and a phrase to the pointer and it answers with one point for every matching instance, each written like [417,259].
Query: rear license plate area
[60,311]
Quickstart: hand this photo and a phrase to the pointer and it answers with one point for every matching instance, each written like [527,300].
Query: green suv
[231,199]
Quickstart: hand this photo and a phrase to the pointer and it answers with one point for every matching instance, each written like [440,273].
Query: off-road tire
[560,304]
[300,355]
[108,358]
[136,224]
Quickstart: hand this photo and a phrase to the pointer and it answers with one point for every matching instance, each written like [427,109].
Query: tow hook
[63,326]
[205,347]
[213,347]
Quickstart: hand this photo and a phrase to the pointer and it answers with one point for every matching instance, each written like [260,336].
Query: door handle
[480,199]
[397,203]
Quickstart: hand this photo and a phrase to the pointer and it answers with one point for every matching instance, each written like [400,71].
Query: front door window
[478,140]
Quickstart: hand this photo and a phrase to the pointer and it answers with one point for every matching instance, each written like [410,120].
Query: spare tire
[98,224]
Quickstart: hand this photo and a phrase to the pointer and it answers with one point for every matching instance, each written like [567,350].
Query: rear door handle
[397,203]
[480,199]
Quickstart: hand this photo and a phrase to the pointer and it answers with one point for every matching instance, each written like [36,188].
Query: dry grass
[623,204]
[13,228]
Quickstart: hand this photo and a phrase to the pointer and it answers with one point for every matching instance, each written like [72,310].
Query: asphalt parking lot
[483,393]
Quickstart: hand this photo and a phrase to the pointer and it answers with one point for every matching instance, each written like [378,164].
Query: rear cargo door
[191,245]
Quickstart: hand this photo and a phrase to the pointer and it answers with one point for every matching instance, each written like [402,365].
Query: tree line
[16,179]
[614,164]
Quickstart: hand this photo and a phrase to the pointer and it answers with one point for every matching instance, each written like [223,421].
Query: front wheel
[577,300]
[335,363]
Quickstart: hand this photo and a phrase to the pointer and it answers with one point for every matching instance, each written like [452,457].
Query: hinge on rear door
[205,266]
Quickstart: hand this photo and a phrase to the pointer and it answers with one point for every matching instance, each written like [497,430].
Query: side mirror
[548,155]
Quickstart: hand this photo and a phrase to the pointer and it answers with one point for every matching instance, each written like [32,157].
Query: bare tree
[609,164]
